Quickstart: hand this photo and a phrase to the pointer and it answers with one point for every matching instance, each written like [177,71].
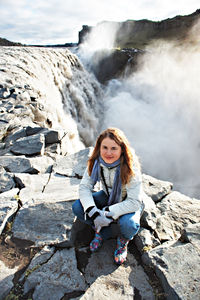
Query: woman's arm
[85,191]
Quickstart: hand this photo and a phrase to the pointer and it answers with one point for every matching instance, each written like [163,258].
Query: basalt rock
[131,39]
[43,218]
[114,63]
[36,197]
[57,277]
[7,182]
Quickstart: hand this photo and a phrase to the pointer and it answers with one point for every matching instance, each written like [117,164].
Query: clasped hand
[102,220]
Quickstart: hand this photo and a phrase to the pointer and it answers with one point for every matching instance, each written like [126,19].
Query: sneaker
[120,253]
[96,242]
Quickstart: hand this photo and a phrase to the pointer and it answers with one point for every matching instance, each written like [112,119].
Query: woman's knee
[128,225]
[100,199]
[77,208]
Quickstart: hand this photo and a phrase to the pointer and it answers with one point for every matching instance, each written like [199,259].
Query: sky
[42,22]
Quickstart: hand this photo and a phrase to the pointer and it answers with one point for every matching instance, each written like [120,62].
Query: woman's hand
[101,221]
[101,218]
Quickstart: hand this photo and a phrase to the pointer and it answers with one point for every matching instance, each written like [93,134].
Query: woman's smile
[110,151]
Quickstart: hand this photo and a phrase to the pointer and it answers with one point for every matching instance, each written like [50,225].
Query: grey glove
[93,212]
[102,220]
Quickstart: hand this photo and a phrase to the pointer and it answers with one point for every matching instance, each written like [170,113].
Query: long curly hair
[127,160]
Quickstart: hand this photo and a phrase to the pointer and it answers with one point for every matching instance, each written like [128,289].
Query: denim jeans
[129,224]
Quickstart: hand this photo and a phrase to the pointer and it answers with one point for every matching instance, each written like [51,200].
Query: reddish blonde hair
[127,159]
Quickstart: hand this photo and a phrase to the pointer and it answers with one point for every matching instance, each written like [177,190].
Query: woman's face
[110,151]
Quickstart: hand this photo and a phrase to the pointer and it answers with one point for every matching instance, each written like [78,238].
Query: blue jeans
[129,224]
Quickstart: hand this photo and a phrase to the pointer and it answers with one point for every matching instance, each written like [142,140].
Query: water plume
[98,43]
[158,108]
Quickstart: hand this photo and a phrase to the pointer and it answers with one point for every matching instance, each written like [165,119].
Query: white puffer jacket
[133,190]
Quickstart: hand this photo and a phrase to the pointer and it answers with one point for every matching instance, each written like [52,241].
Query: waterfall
[70,95]
[158,108]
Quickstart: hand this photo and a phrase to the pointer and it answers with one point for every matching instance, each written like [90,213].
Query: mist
[158,109]
[100,40]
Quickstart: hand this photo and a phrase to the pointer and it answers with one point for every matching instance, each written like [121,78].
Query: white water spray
[158,108]
[98,43]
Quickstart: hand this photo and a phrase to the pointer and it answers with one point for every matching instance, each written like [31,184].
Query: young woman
[115,165]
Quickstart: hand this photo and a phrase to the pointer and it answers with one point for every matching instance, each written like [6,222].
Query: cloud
[41,22]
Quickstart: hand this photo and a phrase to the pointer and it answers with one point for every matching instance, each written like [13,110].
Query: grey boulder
[30,145]
[58,277]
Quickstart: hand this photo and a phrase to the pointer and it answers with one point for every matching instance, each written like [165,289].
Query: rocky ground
[44,251]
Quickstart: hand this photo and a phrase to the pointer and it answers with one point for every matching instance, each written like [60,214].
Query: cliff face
[137,34]
[131,39]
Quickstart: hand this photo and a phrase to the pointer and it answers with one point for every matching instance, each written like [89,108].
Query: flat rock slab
[108,281]
[56,278]
[145,240]
[10,194]
[40,258]
[16,164]
[62,188]
[176,212]
[8,206]
[42,187]
[150,214]
[46,216]
[155,188]
[177,266]
[35,182]
[44,223]
[30,145]
[51,136]
[6,277]
[73,164]
[21,164]
[6,181]
[42,164]
[191,234]
[15,135]
[31,185]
